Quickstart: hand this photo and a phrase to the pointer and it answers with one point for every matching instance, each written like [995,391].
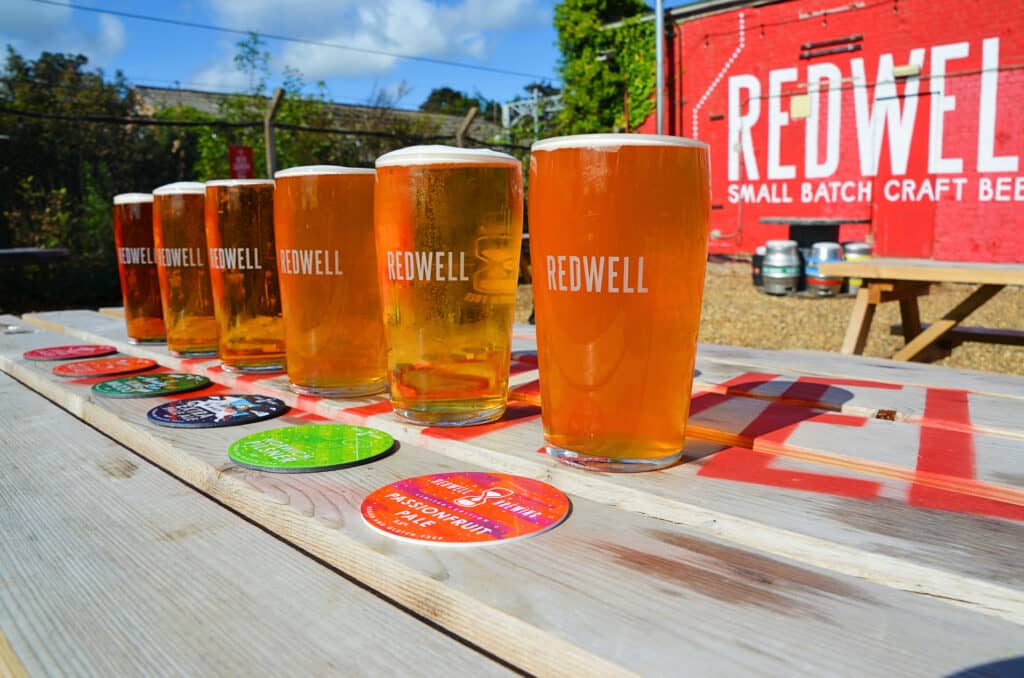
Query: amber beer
[181,260]
[449,225]
[140,287]
[618,227]
[239,215]
[327,264]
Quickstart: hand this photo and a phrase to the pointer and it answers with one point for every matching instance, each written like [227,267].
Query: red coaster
[69,352]
[465,508]
[103,367]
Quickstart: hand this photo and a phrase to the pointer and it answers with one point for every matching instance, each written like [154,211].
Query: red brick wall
[936,199]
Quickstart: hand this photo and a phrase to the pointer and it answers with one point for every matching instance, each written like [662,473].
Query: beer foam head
[319,170]
[240,182]
[130,198]
[181,188]
[443,155]
[612,142]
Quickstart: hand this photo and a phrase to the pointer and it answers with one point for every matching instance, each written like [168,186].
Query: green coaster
[147,385]
[310,447]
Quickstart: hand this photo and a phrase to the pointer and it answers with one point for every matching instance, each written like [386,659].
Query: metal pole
[659,62]
[268,131]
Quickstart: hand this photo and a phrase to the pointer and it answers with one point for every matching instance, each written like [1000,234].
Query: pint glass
[618,227]
[140,288]
[239,215]
[449,224]
[181,260]
[327,264]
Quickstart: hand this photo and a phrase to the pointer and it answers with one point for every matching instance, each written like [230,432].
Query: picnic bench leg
[938,328]
[910,317]
[860,323]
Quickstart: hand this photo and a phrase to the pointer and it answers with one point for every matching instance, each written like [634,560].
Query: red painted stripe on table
[373,409]
[776,423]
[514,415]
[519,366]
[951,453]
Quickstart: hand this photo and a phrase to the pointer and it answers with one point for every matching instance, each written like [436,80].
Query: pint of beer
[448,224]
[239,215]
[140,288]
[179,234]
[618,227]
[327,264]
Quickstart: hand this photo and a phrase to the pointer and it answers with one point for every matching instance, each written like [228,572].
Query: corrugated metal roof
[153,99]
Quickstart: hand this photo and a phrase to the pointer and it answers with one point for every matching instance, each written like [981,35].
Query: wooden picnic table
[833,515]
[904,280]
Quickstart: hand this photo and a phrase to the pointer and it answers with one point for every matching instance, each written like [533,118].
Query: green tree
[599,63]
[448,101]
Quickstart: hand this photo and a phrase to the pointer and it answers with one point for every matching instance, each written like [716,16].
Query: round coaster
[146,385]
[103,367]
[216,411]
[465,508]
[310,447]
[69,352]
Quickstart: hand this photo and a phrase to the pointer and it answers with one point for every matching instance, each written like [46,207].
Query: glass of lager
[140,288]
[239,215]
[179,234]
[449,225]
[618,226]
[327,264]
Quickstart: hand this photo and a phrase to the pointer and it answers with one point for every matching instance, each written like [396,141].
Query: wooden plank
[860,367]
[927,270]
[759,505]
[983,335]
[602,567]
[111,567]
[10,665]
[113,311]
[860,323]
[948,321]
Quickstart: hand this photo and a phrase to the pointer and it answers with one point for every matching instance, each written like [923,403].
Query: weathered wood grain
[110,567]
[604,569]
[759,502]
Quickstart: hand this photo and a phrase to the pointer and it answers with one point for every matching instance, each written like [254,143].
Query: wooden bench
[904,280]
[809,529]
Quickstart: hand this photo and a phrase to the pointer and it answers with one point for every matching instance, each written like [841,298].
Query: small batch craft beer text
[615,275]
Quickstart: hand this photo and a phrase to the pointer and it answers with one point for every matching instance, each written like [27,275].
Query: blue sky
[514,35]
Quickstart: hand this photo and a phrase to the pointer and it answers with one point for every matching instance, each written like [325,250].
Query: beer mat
[69,352]
[310,447]
[216,411]
[471,508]
[103,367]
[148,385]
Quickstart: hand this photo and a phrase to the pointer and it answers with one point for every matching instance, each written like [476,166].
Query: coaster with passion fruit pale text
[149,385]
[69,352]
[310,447]
[103,367]
[469,508]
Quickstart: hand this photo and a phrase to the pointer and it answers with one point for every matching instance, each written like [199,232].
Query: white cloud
[32,28]
[455,31]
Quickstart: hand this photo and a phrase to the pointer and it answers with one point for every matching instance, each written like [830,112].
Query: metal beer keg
[781,267]
[856,251]
[822,285]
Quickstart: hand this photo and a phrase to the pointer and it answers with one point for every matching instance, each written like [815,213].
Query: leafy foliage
[600,64]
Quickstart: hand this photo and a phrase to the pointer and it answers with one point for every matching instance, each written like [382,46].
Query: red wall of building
[949,178]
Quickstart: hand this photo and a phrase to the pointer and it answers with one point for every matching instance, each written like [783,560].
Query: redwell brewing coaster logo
[465,508]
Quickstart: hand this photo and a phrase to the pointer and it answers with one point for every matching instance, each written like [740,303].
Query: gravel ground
[734,313]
